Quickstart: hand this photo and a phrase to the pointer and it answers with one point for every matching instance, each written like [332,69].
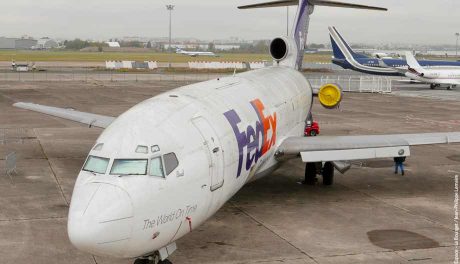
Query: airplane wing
[69,114]
[382,64]
[346,148]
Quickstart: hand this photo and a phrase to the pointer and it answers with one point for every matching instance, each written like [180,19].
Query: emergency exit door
[214,152]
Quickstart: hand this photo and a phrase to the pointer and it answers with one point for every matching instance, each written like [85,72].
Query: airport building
[17,43]
[46,43]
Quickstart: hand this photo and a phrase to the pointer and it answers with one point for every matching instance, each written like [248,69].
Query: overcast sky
[407,21]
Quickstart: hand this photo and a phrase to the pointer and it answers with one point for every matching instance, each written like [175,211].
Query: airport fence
[366,84]
[349,83]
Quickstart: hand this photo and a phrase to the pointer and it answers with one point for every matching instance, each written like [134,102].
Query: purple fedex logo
[255,139]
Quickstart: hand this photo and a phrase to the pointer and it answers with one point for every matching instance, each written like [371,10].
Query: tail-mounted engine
[282,48]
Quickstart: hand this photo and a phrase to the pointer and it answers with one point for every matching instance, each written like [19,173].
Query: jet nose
[100,219]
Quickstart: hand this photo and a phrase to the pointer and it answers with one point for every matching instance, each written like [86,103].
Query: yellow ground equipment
[330,95]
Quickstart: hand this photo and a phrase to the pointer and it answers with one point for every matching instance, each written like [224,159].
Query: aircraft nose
[100,219]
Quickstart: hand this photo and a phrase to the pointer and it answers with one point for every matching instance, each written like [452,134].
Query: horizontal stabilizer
[271,4]
[345,5]
[313,2]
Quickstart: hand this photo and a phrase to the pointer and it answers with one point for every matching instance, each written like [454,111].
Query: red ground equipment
[312,129]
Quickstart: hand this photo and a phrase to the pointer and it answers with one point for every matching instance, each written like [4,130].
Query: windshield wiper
[93,172]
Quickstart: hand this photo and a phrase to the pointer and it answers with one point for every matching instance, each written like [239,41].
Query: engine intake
[279,49]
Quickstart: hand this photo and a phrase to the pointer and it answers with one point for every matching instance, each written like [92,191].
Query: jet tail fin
[337,39]
[299,33]
[412,61]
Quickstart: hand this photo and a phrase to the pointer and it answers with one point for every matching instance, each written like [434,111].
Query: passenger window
[171,162]
[156,167]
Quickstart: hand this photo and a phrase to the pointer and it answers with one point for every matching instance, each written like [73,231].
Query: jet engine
[280,48]
[330,95]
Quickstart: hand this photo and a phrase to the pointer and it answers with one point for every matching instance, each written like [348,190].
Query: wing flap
[334,148]
[355,154]
[69,114]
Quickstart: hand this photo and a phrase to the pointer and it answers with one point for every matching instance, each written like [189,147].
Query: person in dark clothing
[399,163]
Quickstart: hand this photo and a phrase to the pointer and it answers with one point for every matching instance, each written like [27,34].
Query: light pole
[456,44]
[170,8]
[287,20]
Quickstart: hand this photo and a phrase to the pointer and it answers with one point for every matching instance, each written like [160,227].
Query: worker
[399,163]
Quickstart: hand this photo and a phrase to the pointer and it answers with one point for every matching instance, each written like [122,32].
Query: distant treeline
[78,44]
[258,47]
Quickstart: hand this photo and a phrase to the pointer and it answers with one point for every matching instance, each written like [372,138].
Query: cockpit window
[129,167]
[156,167]
[98,146]
[96,164]
[142,149]
[171,162]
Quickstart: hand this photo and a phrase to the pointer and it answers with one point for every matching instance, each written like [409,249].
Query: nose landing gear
[159,257]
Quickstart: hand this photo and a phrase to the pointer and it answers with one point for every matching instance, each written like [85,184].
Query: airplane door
[214,153]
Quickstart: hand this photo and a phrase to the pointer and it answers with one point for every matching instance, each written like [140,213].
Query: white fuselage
[436,76]
[224,134]
[196,53]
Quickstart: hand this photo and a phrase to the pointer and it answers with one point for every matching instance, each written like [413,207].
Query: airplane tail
[412,61]
[340,46]
[301,23]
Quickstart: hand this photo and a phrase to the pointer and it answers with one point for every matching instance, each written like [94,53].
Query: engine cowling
[281,48]
[330,95]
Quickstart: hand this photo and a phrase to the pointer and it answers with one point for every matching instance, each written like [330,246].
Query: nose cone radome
[100,219]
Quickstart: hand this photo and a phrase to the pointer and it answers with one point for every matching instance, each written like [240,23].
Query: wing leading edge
[69,114]
[343,148]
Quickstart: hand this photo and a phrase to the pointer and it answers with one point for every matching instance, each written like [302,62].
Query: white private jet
[435,77]
[165,166]
[196,53]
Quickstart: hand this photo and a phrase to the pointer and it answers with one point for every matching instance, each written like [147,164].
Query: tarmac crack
[52,170]
[273,232]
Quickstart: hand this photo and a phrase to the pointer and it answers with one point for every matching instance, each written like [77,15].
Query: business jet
[435,77]
[165,166]
[347,58]
[196,53]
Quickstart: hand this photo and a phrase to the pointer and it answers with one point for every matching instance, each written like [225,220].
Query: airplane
[347,58]
[435,77]
[162,168]
[196,53]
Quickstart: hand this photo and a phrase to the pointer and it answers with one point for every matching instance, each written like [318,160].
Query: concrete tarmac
[370,215]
